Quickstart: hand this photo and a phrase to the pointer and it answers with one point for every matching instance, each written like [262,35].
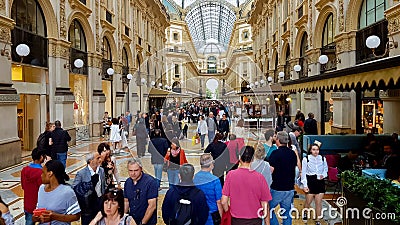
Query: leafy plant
[380,194]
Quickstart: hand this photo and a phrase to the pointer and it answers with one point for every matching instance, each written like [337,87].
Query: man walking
[310,125]
[158,147]
[184,203]
[211,187]
[283,162]
[212,126]
[31,179]
[140,193]
[59,139]
[89,185]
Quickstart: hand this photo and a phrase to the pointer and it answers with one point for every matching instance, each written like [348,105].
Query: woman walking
[174,158]
[314,170]
[202,130]
[115,136]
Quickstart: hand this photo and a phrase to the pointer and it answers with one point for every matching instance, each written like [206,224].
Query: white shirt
[314,166]
[98,185]
[202,127]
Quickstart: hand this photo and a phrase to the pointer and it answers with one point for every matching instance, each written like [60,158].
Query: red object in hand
[39,212]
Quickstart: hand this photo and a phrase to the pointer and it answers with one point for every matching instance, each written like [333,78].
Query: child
[314,170]
[115,136]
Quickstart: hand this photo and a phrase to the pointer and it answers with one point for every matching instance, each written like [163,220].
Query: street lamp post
[129,77]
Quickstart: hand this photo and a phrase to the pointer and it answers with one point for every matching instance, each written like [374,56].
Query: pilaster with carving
[310,23]
[97,26]
[63,26]
[341,16]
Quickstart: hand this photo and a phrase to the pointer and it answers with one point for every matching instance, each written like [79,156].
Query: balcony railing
[363,53]
[330,51]
[243,49]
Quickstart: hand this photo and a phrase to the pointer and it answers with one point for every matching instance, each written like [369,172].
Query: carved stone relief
[97,16]
[341,16]
[310,16]
[5,34]
[63,26]
[2,6]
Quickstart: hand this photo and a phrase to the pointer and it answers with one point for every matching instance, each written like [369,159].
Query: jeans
[62,157]
[285,200]
[158,173]
[202,138]
[173,178]
[28,219]
[211,135]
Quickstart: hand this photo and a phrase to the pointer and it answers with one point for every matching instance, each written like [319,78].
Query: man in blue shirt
[140,193]
[210,186]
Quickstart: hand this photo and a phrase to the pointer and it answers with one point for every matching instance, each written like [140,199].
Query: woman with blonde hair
[261,166]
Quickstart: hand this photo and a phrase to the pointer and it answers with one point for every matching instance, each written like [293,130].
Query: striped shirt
[61,200]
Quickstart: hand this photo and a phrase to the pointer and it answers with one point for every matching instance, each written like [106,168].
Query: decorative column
[393,17]
[120,94]
[341,112]
[10,144]
[60,95]
[391,104]
[96,95]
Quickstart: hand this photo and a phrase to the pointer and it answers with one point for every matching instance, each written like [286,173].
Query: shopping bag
[197,140]
[194,140]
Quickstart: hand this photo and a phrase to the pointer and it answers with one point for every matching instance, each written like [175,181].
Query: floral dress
[110,171]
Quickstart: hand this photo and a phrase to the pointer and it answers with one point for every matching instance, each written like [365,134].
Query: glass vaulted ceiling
[210,20]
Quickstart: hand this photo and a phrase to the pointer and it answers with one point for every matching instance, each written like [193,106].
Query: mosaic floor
[12,193]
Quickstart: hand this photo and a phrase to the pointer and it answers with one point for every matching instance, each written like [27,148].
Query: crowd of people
[238,184]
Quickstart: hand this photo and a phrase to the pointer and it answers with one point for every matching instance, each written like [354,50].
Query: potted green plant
[379,195]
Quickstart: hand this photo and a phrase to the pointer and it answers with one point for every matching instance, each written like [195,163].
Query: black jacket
[197,199]
[220,154]
[223,126]
[310,126]
[60,140]
[158,148]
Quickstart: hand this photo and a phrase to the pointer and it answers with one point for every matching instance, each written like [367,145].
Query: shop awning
[263,91]
[384,73]
[160,93]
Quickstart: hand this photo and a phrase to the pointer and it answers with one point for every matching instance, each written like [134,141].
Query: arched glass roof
[210,20]
[187,3]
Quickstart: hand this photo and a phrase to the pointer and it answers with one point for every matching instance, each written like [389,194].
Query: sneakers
[305,217]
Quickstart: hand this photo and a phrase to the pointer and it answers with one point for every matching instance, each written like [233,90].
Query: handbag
[216,218]
[226,217]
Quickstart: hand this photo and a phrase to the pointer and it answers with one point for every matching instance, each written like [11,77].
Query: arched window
[371,12]
[78,50]
[303,60]
[30,29]
[212,64]
[371,22]
[328,44]
[244,86]
[287,64]
[125,64]
[107,59]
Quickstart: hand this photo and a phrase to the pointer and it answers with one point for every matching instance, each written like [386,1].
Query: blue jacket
[198,201]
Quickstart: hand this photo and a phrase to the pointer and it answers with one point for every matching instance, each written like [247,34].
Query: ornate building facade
[318,51]
[80,55]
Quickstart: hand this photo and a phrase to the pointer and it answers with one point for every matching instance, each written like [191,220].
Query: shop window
[303,58]
[30,29]
[287,64]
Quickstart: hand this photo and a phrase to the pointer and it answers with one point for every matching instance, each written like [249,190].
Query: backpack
[308,160]
[41,141]
[184,208]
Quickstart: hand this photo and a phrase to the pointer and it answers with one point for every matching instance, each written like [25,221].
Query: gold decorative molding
[310,27]
[393,17]
[97,27]
[6,25]
[341,16]
[59,48]
[63,26]
[2,7]
[78,5]
[321,3]
[345,42]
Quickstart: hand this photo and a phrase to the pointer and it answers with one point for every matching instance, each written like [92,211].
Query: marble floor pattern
[12,193]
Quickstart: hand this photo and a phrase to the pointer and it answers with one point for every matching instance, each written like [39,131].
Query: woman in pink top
[248,193]
[234,145]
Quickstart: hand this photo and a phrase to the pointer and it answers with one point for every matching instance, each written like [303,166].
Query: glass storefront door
[28,112]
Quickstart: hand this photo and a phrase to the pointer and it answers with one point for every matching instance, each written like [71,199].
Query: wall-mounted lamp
[269,79]
[78,63]
[323,59]
[160,85]
[374,41]
[251,85]
[248,86]
[256,83]
[110,71]
[143,81]
[129,76]
[288,99]
[262,82]
[153,83]
[281,75]
[277,99]
[22,50]
[297,68]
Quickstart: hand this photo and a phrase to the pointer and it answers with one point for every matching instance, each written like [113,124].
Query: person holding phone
[314,170]
[63,211]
